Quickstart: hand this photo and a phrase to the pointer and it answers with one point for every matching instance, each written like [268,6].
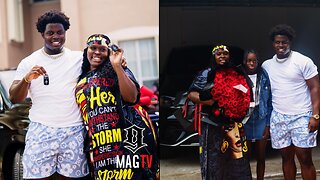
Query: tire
[17,168]
[167,152]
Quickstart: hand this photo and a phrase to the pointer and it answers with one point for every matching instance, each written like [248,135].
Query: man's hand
[19,88]
[35,72]
[313,124]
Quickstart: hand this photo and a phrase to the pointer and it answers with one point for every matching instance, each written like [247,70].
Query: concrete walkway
[184,165]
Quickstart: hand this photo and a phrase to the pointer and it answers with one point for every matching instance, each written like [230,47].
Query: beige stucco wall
[86,18]
[37,10]
[103,16]
[3,33]
[17,51]
[13,52]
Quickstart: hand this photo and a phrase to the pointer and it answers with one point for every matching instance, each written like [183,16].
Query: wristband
[316,116]
[26,80]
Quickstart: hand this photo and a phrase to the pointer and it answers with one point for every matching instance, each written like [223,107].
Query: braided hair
[85,67]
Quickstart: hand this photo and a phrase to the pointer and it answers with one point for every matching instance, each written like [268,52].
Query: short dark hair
[282,29]
[52,16]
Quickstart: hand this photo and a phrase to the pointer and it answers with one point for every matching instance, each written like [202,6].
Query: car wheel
[17,169]
[167,152]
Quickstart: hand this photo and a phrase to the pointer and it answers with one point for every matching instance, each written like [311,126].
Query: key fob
[114,48]
[46,79]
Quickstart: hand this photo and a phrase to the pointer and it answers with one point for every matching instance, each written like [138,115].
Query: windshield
[6,78]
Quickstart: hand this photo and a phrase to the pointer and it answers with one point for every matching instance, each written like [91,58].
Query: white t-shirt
[290,93]
[253,78]
[54,105]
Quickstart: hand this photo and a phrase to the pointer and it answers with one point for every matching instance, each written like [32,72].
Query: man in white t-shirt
[295,98]
[54,141]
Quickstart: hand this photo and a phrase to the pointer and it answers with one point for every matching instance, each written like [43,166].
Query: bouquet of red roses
[231,93]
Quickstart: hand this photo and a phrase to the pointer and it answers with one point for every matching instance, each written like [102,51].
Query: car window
[6,78]
[181,67]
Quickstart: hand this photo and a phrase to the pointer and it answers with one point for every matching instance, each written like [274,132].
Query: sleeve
[264,65]
[309,69]
[269,100]
[22,70]
[200,81]
[131,76]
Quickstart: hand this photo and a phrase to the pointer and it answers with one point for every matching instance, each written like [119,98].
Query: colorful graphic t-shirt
[116,141]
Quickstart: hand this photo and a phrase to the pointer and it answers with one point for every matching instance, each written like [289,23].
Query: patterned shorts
[291,129]
[49,150]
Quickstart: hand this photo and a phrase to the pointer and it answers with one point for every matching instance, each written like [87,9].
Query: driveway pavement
[184,165]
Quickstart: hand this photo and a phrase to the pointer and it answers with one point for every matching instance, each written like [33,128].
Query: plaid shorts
[291,129]
[49,150]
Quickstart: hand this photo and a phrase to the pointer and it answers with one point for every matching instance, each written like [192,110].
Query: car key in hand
[114,48]
[46,79]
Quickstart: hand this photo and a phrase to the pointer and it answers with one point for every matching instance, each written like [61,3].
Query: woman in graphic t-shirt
[121,142]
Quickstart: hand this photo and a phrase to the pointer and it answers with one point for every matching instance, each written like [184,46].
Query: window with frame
[141,57]
[41,1]
[15,23]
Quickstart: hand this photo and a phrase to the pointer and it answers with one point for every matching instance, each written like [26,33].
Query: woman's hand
[266,133]
[116,58]
[128,89]
[195,98]
[123,62]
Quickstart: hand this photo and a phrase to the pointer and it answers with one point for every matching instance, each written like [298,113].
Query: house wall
[3,35]
[86,18]
[100,16]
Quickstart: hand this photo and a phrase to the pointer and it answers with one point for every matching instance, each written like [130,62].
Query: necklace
[54,56]
[283,60]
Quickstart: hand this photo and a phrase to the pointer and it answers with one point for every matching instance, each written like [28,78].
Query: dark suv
[13,127]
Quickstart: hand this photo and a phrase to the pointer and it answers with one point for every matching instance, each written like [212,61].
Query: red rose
[234,102]
[216,113]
